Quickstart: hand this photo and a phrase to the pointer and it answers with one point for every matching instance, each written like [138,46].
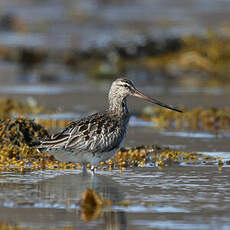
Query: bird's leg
[93,168]
[84,167]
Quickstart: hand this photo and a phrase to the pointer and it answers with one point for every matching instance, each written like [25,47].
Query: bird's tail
[38,145]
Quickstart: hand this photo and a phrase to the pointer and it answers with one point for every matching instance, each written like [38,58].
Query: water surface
[174,198]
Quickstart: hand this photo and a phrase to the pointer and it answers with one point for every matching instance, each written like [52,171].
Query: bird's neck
[118,106]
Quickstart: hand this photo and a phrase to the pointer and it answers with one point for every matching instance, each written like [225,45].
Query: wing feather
[97,133]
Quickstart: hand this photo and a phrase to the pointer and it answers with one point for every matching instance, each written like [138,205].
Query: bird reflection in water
[69,189]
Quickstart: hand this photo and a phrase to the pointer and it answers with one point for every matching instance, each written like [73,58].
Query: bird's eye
[127,86]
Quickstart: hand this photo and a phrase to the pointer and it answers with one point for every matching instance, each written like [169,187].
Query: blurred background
[76,48]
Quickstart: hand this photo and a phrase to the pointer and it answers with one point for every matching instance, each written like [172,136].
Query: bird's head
[122,88]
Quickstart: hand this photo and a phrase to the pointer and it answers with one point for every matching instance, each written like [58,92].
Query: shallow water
[175,198]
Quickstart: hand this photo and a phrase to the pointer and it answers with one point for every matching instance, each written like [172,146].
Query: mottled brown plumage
[99,136]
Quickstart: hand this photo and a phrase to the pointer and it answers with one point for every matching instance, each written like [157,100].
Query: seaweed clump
[20,131]
[200,58]
[8,226]
[9,107]
[211,119]
[16,137]
[92,205]
[157,156]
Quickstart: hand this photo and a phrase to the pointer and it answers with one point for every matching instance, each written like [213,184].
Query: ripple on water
[184,197]
[150,208]
[189,134]
[171,225]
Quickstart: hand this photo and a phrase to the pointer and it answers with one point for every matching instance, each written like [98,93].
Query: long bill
[140,95]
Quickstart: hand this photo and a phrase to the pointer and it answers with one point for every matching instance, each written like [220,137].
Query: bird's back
[100,132]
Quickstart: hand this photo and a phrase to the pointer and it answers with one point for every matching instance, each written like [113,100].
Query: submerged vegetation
[92,205]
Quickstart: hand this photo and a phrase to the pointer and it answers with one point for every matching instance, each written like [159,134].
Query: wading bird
[97,137]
